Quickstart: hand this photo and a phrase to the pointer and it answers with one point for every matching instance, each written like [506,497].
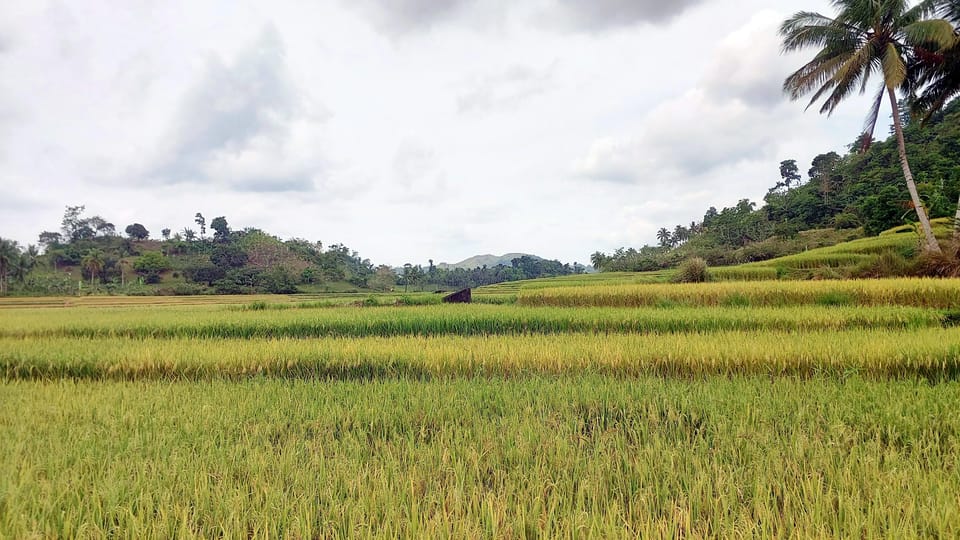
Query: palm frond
[871,122]
[937,32]
[811,76]
[894,68]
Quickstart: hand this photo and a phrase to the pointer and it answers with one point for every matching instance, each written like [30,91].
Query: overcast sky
[405,129]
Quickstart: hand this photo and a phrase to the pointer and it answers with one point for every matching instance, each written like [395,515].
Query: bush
[846,220]
[204,274]
[179,289]
[943,264]
[278,281]
[692,270]
[152,262]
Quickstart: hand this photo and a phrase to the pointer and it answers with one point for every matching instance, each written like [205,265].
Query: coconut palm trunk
[931,241]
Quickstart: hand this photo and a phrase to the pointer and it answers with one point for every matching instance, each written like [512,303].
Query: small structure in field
[462,296]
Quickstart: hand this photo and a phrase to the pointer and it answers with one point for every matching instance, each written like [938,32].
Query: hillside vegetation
[88,256]
[842,197]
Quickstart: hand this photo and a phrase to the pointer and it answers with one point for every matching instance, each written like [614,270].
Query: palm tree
[24,263]
[663,235]
[680,234]
[9,254]
[936,61]
[867,37]
[93,263]
[597,259]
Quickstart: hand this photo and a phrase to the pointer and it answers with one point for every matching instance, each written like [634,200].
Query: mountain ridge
[487,260]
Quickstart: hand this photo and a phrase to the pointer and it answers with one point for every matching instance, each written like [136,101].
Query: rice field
[919,292]
[769,408]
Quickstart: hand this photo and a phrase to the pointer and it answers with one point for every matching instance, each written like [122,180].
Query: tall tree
[936,63]
[789,173]
[137,231]
[9,255]
[867,37]
[202,222]
[680,234]
[25,263]
[597,259]
[663,236]
[221,231]
[821,171]
[93,263]
[937,67]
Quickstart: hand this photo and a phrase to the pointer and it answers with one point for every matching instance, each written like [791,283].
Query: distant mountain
[489,260]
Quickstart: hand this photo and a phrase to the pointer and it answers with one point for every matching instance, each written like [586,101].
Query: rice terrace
[559,413]
[703,337]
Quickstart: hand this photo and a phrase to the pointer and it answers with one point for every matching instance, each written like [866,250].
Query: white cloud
[245,125]
[731,116]
[747,64]
[505,90]
[446,129]
[397,17]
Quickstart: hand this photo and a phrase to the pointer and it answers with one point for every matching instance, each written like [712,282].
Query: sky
[407,130]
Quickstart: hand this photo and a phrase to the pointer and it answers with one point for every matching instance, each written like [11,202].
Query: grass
[482,320]
[932,353]
[622,410]
[539,457]
[930,293]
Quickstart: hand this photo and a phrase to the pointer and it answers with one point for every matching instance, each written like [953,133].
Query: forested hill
[839,195]
[88,255]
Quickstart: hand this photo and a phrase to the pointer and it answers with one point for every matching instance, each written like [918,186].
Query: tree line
[215,258]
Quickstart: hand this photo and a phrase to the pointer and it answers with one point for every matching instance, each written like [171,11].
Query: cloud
[245,125]
[397,17]
[6,42]
[504,90]
[403,17]
[733,115]
[747,64]
[417,174]
[599,15]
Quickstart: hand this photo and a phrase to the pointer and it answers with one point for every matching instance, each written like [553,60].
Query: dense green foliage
[87,252]
[857,193]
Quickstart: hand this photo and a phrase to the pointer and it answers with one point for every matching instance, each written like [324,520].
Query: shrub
[204,273]
[178,289]
[278,281]
[692,270]
[943,264]
[846,220]
[152,261]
